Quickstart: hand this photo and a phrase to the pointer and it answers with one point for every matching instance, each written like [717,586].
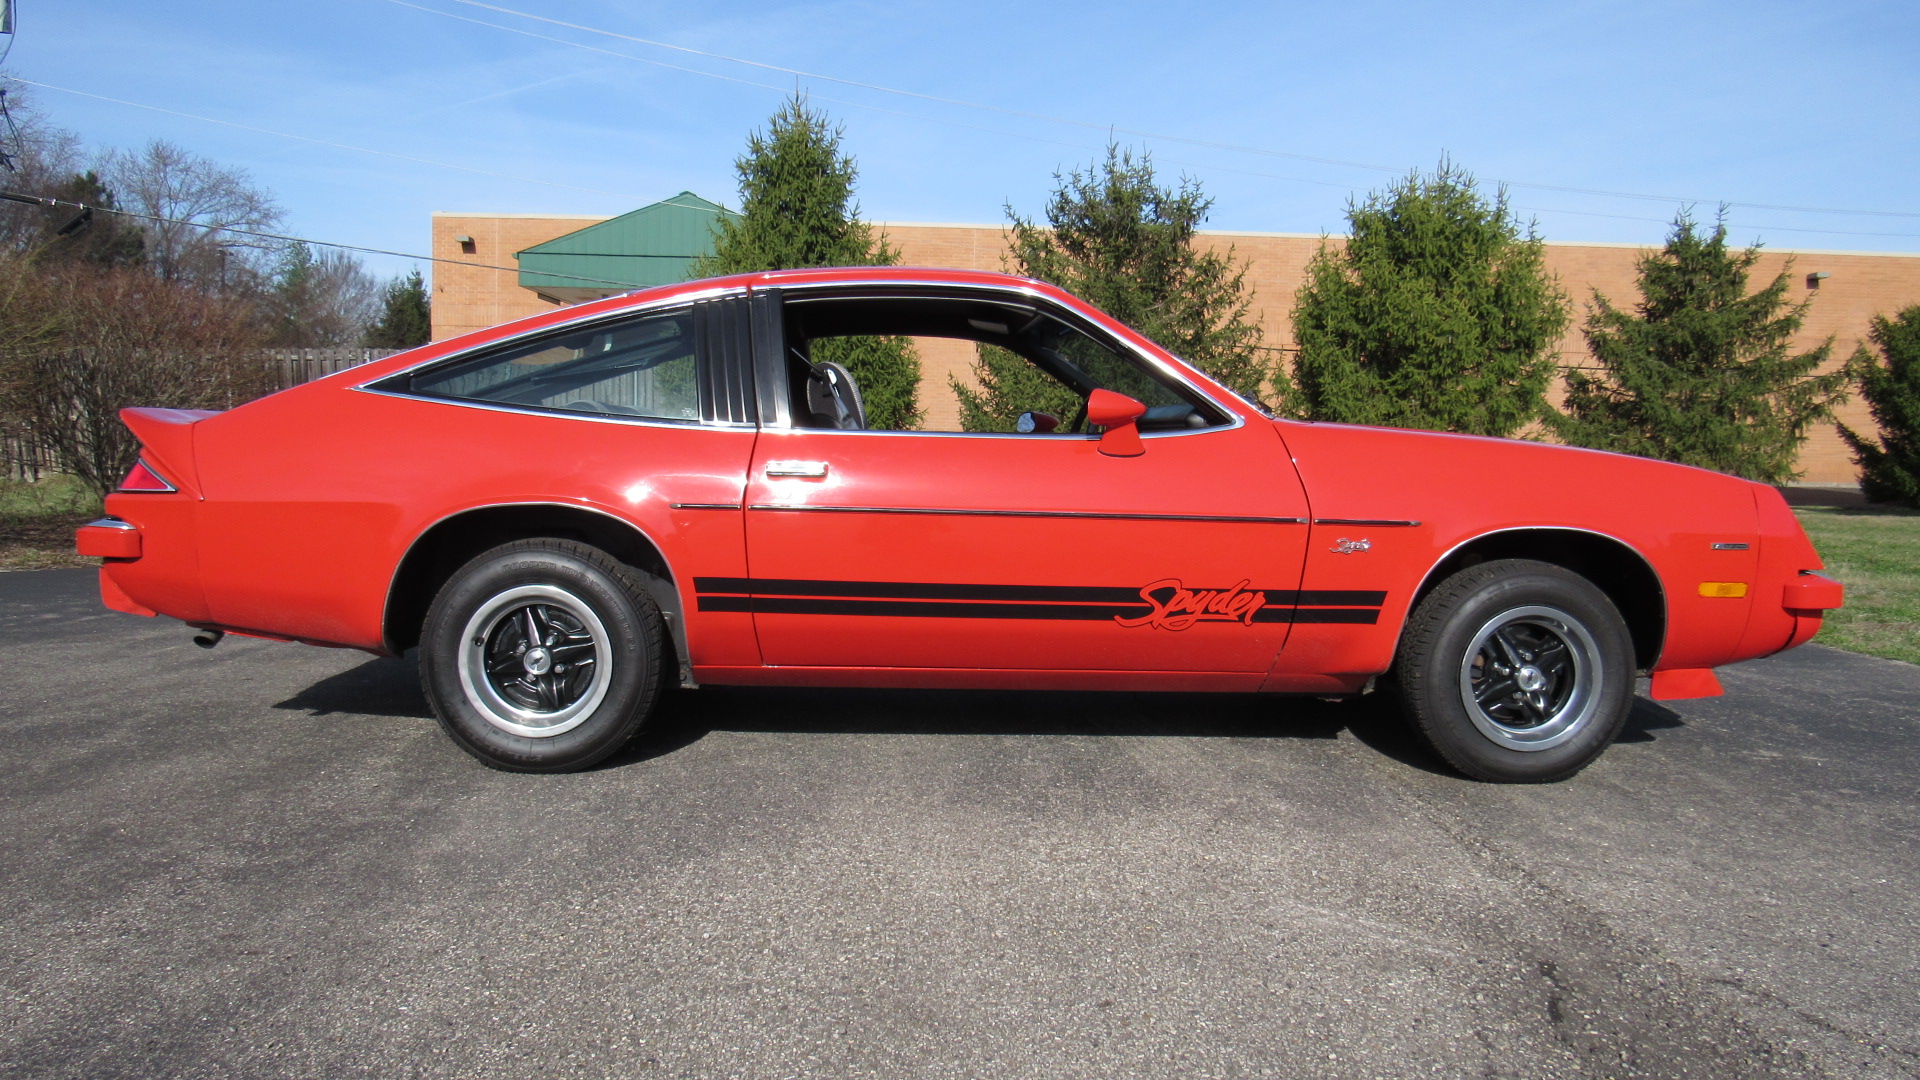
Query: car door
[978,550]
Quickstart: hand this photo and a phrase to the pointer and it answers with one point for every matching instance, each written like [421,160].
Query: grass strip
[1876,554]
[37,522]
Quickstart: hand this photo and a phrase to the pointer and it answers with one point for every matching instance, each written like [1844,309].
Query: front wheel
[542,656]
[1517,671]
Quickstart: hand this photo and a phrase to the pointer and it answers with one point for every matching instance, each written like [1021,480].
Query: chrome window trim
[580,322]
[1374,523]
[562,414]
[1235,419]
[994,434]
[1230,519]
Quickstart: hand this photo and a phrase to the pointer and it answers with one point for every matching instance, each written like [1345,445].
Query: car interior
[824,393]
[640,368]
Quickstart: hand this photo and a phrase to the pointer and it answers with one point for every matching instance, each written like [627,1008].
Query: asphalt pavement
[266,861]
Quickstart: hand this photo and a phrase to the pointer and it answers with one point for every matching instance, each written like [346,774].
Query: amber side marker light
[142,478]
[1730,590]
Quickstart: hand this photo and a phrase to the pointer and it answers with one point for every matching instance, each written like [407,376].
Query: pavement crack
[1617,1003]
[1815,1020]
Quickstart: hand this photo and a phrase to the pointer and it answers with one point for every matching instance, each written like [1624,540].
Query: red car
[571,512]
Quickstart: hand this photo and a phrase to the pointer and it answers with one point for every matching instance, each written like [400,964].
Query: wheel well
[449,544]
[1612,567]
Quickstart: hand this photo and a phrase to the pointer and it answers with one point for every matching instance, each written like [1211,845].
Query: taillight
[142,478]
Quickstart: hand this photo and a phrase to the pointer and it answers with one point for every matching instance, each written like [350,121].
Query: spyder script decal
[1173,606]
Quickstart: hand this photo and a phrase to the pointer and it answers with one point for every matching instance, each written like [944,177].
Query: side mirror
[1118,414]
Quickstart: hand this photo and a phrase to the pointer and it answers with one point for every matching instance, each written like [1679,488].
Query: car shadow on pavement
[686,718]
[391,688]
[380,687]
[1377,721]
[1647,717]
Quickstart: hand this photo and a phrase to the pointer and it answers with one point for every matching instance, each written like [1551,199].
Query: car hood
[1359,472]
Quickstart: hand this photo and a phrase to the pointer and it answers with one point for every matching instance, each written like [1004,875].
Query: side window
[640,367]
[983,366]
[1055,369]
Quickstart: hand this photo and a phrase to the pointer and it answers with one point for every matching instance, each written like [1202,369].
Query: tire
[1516,671]
[566,702]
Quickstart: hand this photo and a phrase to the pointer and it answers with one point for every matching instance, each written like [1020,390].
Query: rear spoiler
[166,441]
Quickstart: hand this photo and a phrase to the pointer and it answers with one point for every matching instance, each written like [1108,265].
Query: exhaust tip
[207,639]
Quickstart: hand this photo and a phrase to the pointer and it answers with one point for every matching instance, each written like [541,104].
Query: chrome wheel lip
[478,685]
[1584,666]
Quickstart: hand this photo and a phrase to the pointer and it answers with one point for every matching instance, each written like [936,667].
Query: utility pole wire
[1136,132]
[41,200]
[321,142]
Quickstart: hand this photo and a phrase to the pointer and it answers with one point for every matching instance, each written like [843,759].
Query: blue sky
[1763,105]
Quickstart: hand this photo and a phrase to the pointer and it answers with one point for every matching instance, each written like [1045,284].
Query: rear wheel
[1517,671]
[542,656]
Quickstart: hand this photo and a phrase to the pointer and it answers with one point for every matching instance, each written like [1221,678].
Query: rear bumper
[108,538]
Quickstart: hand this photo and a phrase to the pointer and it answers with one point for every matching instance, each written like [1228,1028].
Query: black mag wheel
[1524,680]
[1516,671]
[531,658]
[542,656]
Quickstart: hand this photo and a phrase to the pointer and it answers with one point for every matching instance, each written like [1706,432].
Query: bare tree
[109,339]
[320,300]
[40,157]
[197,198]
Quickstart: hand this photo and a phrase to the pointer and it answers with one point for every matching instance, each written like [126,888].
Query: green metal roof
[654,245]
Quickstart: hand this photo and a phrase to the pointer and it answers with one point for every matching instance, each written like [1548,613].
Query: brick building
[495,287]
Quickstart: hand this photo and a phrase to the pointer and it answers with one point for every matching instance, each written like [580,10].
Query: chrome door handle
[810,470]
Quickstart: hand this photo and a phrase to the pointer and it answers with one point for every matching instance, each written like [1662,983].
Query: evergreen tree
[1123,243]
[1437,313]
[406,315]
[318,300]
[797,210]
[101,240]
[289,295]
[1890,468]
[1700,372]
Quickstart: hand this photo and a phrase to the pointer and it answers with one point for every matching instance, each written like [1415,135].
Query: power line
[321,142]
[707,209]
[876,108]
[1025,114]
[1760,228]
[1137,132]
[738,81]
[41,200]
[862,105]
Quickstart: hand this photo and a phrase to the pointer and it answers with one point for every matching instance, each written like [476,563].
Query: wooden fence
[23,457]
[291,367]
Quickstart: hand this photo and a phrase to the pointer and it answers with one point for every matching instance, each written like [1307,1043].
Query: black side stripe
[801,605]
[935,609]
[912,590]
[918,590]
[798,596]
